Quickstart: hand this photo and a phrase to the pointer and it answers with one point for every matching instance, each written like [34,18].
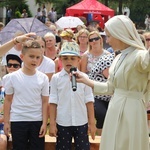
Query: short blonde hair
[49,34]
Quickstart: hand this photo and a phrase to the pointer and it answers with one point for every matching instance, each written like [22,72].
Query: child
[71,112]
[26,101]
[13,63]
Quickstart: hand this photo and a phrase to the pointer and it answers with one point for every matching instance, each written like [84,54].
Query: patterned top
[96,65]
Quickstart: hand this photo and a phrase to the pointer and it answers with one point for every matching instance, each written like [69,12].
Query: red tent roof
[89,6]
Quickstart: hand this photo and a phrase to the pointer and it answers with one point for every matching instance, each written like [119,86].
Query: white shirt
[27,102]
[47,65]
[71,106]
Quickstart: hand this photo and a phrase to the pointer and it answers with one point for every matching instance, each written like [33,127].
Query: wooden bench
[51,141]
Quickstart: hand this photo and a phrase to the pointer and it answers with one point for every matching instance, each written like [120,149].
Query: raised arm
[19,39]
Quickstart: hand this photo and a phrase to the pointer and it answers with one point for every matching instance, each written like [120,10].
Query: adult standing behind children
[26,101]
[51,49]
[71,112]
[96,62]
[125,126]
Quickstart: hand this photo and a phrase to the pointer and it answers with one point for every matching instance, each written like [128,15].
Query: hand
[53,130]
[23,38]
[79,77]
[43,130]
[7,129]
[92,130]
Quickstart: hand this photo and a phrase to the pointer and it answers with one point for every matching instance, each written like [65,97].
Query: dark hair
[13,57]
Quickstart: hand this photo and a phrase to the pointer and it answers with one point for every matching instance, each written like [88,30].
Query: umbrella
[69,22]
[24,25]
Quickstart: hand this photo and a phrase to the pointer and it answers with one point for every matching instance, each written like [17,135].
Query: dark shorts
[79,133]
[25,135]
[100,108]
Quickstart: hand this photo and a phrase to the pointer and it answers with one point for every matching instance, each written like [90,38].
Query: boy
[26,101]
[13,63]
[71,112]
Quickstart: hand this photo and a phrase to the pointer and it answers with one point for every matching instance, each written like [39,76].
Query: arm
[49,75]
[56,65]
[52,113]
[7,46]
[7,107]
[1,117]
[91,119]
[83,63]
[84,79]
[45,117]
[106,72]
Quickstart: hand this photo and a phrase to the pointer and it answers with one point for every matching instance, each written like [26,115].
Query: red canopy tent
[99,11]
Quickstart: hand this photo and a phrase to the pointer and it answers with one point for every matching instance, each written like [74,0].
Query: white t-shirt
[27,102]
[47,65]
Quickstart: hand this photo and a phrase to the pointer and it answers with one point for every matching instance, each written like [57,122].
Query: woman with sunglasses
[96,62]
[125,126]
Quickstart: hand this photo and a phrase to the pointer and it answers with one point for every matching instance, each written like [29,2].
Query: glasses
[9,65]
[84,37]
[147,39]
[94,39]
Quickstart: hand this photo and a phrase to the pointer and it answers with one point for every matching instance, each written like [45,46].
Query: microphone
[73,78]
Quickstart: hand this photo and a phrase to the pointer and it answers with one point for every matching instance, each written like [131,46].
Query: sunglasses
[148,39]
[94,39]
[9,65]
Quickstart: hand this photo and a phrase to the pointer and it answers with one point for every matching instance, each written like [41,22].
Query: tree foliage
[138,8]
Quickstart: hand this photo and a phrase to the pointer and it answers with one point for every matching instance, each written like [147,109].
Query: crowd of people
[111,100]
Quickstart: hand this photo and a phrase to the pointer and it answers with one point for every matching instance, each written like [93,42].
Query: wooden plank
[51,141]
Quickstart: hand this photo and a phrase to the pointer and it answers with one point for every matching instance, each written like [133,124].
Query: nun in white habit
[125,126]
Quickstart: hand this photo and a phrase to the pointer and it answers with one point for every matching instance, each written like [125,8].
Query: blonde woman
[96,62]
[82,40]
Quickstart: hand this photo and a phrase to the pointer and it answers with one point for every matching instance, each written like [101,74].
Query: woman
[96,62]
[51,50]
[82,40]
[125,126]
